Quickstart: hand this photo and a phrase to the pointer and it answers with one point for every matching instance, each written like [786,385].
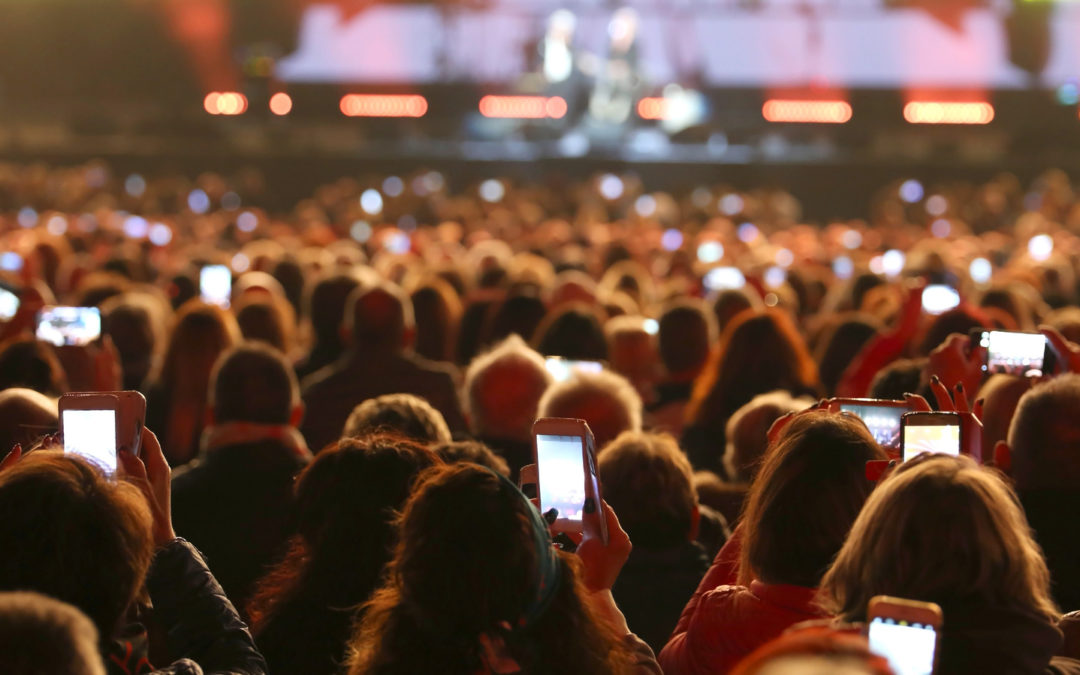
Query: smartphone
[565,455]
[1015,353]
[561,369]
[215,285]
[904,633]
[724,279]
[939,298]
[96,425]
[934,432]
[69,326]
[9,301]
[881,417]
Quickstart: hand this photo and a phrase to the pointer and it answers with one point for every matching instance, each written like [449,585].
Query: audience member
[379,361]
[685,336]
[42,636]
[233,501]
[608,402]
[25,416]
[472,452]
[326,310]
[404,414]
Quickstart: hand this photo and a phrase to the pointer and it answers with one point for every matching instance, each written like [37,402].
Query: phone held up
[905,633]
[68,326]
[933,432]
[565,456]
[96,425]
[1015,353]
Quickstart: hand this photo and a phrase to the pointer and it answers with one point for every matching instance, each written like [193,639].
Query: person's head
[26,362]
[438,312]
[25,416]
[572,332]
[608,402]
[71,533]
[404,414]
[840,344]
[201,333]
[941,529]
[255,383]
[730,303]
[268,319]
[747,434]
[898,378]
[687,332]
[344,512]
[290,274]
[43,636]
[1000,395]
[758,353]
[326,308]
[631,348]
[519,314]
[380,319]
[648,481]
[503,388]
[452,589]
[130,321]
[809,491]
[814,651]
[1043,449]
[961,320]
[473,452]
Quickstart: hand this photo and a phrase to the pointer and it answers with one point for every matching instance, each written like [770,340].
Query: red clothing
[721,627]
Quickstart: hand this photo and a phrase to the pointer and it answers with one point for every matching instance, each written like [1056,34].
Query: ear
[208,417]
[1003,457]
[695,522]
[297,414]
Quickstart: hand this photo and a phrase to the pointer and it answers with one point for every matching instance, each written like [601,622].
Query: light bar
[383,105]
[945,112]
[806,112]
[523,107]
[225,103]
[652,108]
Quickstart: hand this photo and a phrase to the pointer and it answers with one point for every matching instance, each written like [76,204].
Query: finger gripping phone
[881,417]
[905,633]
[1014,353]
[68,326]
[933,432]
[565,455]
[96,425]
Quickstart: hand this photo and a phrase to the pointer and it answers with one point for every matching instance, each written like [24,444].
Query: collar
[237,433]
[796,598]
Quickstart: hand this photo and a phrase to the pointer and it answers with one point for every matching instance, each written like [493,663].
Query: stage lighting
[945,112]
[806,112]
[523,107]
[383,105]
[281,104]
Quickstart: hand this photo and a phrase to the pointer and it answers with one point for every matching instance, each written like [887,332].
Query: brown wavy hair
[463,567]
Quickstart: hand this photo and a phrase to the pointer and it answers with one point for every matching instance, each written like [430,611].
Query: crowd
[330,477]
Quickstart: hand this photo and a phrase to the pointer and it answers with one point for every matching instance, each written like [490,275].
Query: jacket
[721,627]
[1003,641]
[234,504]
[204,630]
[331,393]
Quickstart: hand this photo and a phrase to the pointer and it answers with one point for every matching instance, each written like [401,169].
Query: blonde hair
[942,529]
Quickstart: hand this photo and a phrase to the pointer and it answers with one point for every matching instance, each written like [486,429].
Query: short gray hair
[609,399]
[43,636]
[403,414]
[505,411]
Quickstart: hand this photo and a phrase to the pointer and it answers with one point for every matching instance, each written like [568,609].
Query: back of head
[961,320]
[1045,436]
[898,378]
[404,414]
[648,481]
[42,636]
[438,311]
[503,388]
[519,314]
[266,319]
[473,452]
[814,651]
[68,532]
[381,318]
[201,333]
[129,321]
[811,487]
[731,303]
[25,362]
[572,332]
[254,383]
[941,529]
[839,346]
[25,416]
[685,337]
[747,432]
[326,307]
[608,402]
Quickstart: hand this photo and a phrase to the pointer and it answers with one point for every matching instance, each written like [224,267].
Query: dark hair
[380,316]
[572,332]
[129,323]
[438,312]
[898,378]
[730,303]
[446,586]
[344,510]
[253,383]
[326,307]
[25,362]
[519,314]
[266,319]
[961,320]
[290,275]
[805,498]
[69,532]
[404,414]
[839,344]
[684,339]
[474,452]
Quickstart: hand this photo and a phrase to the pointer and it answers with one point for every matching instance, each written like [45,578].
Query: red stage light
[523,107]
[806,112]
[948,112]
[225,103]
[384,105]
[281,103]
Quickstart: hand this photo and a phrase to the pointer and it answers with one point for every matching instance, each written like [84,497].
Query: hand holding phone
[565,456]
[604,554]
[881,417]
[96,426]
[1014,353]
[932,432]
[905,633]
